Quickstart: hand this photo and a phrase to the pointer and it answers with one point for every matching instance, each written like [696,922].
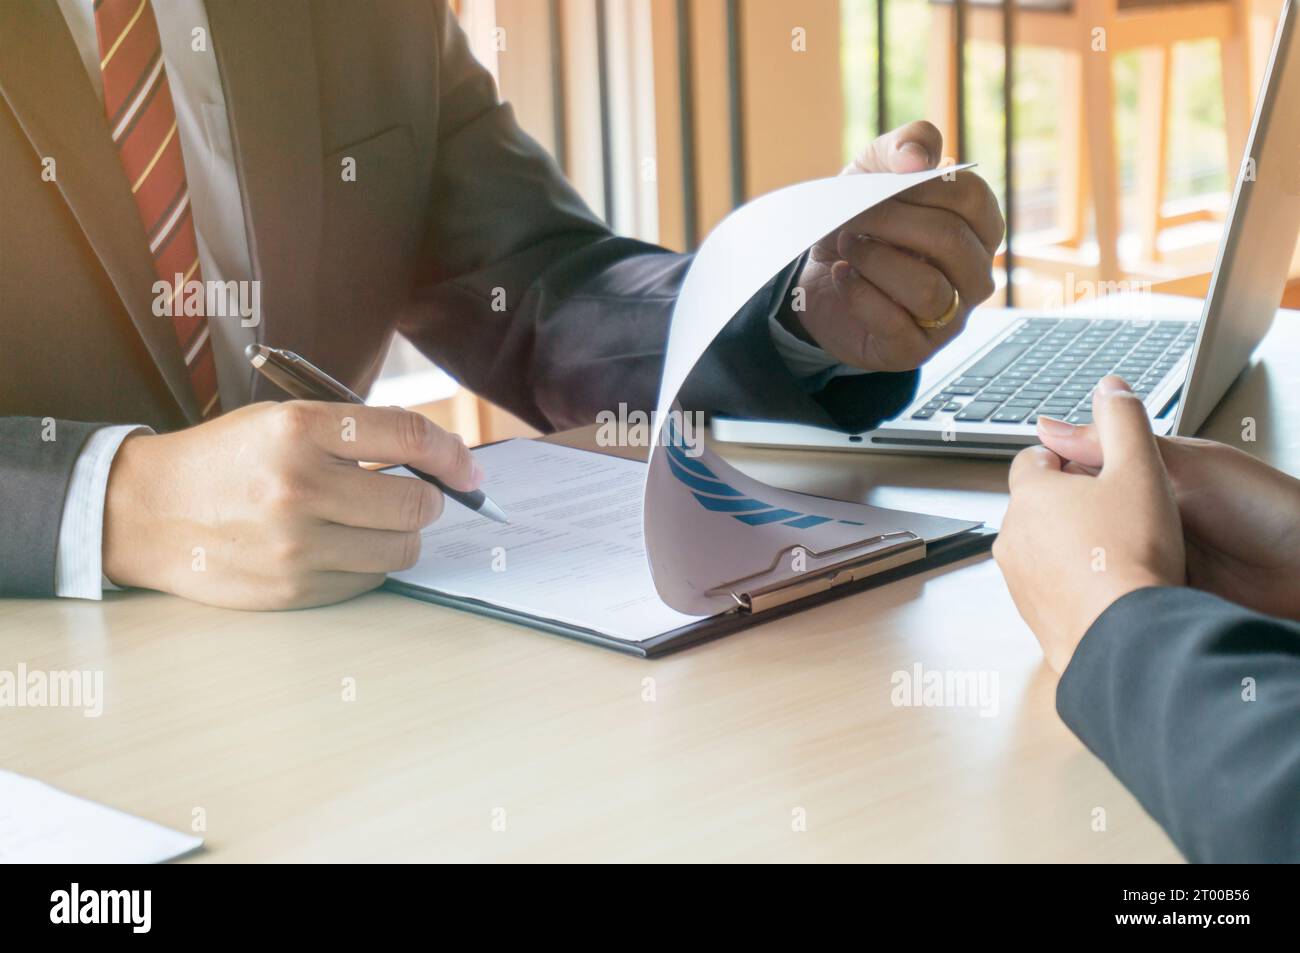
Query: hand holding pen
[264,506]
[297,376]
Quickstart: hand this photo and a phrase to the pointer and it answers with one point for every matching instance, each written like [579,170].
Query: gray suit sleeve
[1194,703]
[36,461]
[526,297]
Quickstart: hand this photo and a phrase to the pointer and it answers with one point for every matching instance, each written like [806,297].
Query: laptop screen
[1259,239]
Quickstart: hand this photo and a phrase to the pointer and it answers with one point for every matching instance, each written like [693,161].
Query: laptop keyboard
[1049,366]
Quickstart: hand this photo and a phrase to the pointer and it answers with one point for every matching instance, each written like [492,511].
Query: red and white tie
[142,120]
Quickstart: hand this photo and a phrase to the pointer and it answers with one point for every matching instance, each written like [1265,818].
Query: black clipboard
[942,553]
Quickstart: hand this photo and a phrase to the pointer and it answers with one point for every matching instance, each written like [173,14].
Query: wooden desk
[241,715]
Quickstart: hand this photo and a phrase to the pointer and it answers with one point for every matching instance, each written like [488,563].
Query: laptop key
[978,410]
[1009,416]
[996,361]
[1080,417]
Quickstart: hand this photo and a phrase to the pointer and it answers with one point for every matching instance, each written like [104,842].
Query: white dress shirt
[218,213]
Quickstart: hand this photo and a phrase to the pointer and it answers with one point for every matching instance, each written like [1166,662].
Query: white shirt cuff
[807,362]
[78,561]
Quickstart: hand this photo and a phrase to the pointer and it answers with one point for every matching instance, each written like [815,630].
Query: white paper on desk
[43,825]
[572,552]
[707,524]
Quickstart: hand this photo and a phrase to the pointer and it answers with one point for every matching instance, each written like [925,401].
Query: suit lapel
[45,84]
[266,55]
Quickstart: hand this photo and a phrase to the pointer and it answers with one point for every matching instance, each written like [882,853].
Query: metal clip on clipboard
[905,547]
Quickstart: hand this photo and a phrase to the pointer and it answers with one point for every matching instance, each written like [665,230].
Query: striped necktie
[142,119]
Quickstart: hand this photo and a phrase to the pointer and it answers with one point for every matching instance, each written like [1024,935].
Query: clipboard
[903,556]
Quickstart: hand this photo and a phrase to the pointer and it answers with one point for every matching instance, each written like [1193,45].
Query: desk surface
[462,726]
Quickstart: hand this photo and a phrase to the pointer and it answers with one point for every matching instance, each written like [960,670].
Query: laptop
[983,394]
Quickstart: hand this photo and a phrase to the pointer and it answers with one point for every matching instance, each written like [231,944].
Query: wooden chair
[1089,32]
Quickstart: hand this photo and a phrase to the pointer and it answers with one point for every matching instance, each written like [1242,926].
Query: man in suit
[1159,575]
[353,161]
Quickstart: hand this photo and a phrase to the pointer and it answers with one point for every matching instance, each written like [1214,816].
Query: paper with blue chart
[623,549]
[706,523]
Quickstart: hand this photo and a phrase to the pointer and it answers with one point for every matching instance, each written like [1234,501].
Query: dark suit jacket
[1157,690]
[451,201]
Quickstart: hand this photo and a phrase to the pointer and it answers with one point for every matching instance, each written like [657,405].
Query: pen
[303,379]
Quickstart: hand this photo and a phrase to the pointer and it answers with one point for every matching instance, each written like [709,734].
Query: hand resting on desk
[1073,541]
[1090,520]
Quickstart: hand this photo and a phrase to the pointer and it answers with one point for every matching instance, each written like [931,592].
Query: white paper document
[43,825]
[572,552]
[633,550]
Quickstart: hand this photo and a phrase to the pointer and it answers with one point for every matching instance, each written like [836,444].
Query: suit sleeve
[37,457]
[1194,703]
[527,298]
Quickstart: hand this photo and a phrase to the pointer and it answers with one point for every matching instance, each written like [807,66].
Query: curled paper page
[706,524]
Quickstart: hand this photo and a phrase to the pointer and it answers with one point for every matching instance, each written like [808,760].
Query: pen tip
[256,354]
[492,511]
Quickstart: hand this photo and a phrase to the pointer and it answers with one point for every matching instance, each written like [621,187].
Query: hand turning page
[708,526]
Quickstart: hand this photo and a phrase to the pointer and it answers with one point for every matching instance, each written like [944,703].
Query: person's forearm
[1194,703]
